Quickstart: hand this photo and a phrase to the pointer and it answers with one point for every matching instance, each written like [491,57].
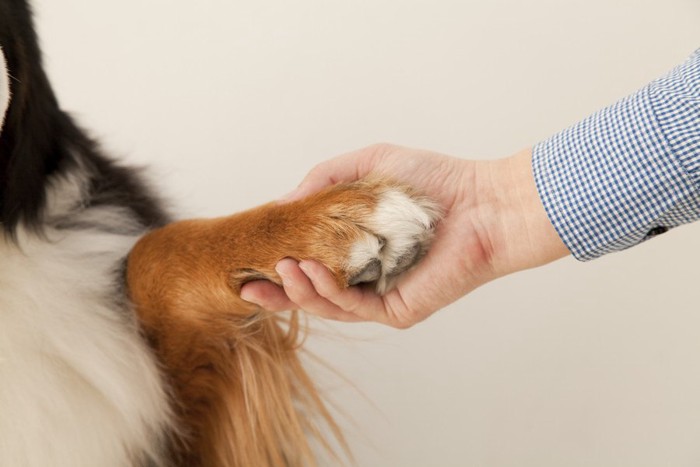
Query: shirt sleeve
[630,171]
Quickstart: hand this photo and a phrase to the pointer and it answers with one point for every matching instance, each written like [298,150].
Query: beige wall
[231,102]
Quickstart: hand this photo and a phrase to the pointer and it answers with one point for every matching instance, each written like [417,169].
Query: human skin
[494,224]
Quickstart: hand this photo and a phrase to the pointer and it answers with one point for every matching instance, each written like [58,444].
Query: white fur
[364,250]
[4,89]
[401,222]
[79,385]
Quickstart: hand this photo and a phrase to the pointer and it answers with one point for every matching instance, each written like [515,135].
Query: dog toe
[370,273]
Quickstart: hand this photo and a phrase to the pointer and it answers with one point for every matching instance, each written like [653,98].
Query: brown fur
[240,391]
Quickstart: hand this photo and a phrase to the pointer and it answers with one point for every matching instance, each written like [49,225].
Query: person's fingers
[273,298]
[301,292]
[361,301]
[266,295]
[349,299]
[311,287]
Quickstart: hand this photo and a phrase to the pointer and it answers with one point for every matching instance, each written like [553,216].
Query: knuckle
[328,292]
[301,294]
[317,171]
[402,325]
[401,316]
[351,300]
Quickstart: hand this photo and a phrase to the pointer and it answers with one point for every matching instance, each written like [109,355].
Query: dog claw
[370,273]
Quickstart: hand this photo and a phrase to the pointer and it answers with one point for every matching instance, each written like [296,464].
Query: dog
[123,339]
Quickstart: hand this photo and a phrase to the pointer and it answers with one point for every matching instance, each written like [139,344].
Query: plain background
[230,103]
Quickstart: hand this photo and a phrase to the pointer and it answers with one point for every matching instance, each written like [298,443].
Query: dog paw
[365,232]
[393,237]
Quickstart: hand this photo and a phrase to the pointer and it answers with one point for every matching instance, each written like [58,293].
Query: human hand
[493,224]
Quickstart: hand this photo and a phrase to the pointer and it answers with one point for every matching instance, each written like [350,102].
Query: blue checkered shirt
[628,172]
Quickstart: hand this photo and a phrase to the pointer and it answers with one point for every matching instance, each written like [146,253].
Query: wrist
[519,230]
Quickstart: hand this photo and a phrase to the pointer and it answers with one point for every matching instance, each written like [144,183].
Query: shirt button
[657,231]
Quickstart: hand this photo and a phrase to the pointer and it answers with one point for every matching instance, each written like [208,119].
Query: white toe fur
[364,251]
[401,227]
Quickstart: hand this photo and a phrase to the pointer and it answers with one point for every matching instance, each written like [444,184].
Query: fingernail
[248,297]
[306,267]
[280,269]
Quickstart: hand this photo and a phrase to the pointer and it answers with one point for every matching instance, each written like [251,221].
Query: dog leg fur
[240,391]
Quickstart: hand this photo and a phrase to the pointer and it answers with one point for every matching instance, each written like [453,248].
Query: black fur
[39,140]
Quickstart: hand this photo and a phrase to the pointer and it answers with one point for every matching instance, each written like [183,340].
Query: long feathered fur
[123,338]
[69,216]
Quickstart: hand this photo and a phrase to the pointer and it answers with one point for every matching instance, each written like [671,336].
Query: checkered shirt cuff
[628,172]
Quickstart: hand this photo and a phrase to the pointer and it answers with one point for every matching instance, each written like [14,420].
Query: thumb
[346,168]
[311,184]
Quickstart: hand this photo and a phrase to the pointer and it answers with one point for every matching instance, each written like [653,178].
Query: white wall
[231,102]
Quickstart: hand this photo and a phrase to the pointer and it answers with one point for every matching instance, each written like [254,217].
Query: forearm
[519,232]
